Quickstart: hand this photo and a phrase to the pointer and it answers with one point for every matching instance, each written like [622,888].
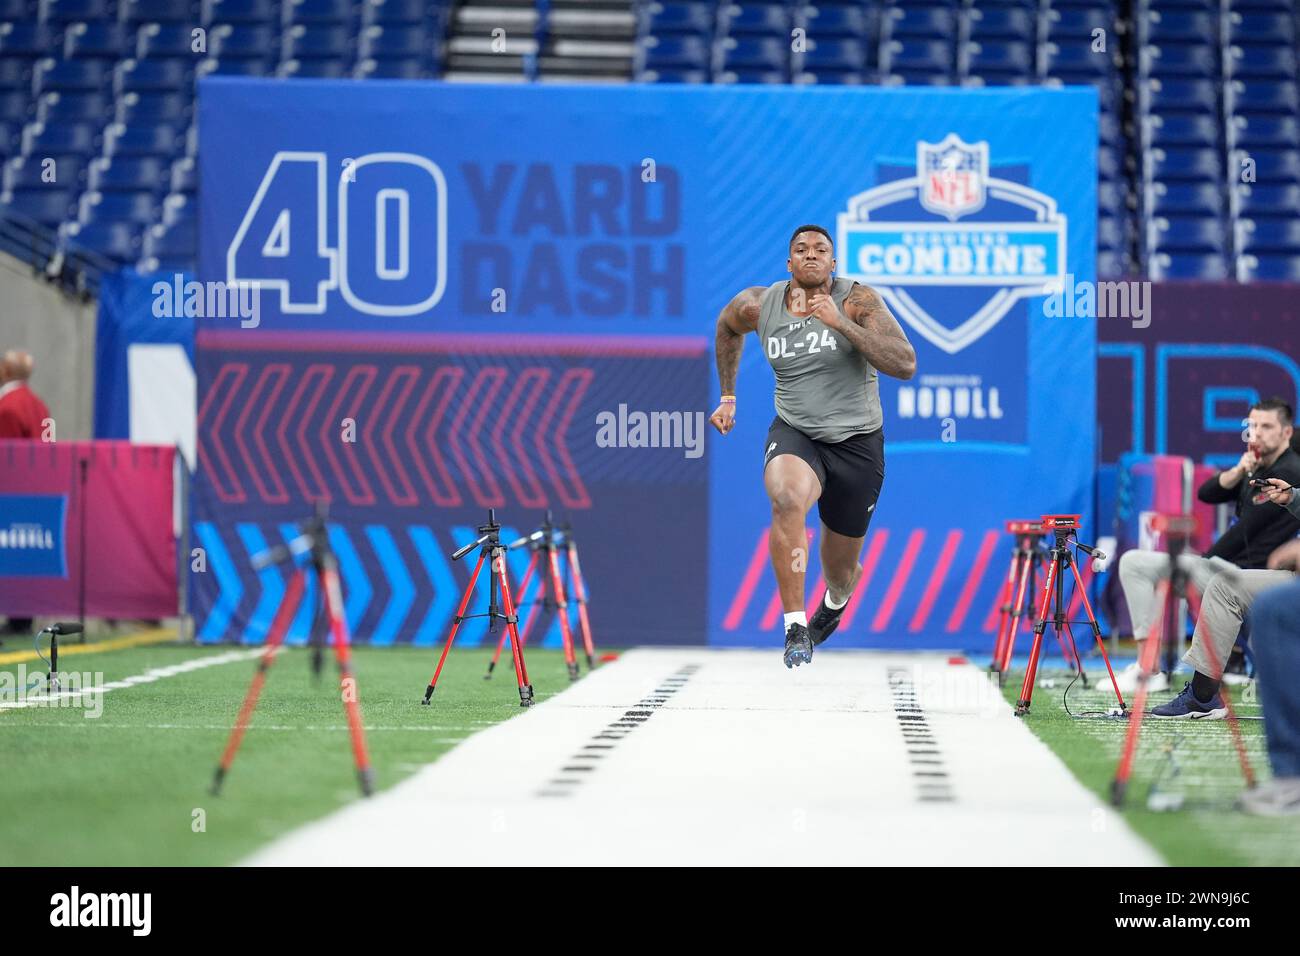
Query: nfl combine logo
[954,175]
[953,248]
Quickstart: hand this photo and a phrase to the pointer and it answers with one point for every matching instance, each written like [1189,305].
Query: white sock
[831,604]
[796,617]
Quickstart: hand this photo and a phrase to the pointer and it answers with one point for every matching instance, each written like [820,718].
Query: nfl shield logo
[952,175]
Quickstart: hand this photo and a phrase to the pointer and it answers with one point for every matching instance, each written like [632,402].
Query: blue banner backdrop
[479,297]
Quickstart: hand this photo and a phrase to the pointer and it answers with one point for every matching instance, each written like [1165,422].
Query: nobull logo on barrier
[952,227]
[31,536]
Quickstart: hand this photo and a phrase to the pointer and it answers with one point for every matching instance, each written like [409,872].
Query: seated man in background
[1223,608]
[1275,636]
[1260,528]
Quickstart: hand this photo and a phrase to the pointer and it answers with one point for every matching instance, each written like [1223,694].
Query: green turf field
[1194,759]
[123,788]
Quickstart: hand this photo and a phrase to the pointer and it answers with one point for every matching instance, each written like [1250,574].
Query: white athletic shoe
[1127,679]
[1280,797]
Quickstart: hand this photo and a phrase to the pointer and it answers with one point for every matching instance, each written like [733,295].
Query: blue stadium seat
[1075,25]
[1176,130]
[755,19]
[26,39]
[13,106]
[750,75]
[314,68]
[669,74]
[1178,60]
[185,176]
[1186,234]
[751,53]
[11,138]
[1177,26]
[837,21]
[1076,60]
[138,207]
[1276,62]
[45,172]
[1112,265]
[1109,130]
[15,74]
[73,107]
[1110,164]
[47,206]
[1266,268]
[151,106]
[159,139]
[995,57]
[1167,95]
[69,11]
[1260,26]
[116,240]
[917,56]
[154,40]
[302,42]
[395,41]
[1254,133]
[394,68]
[920,23]
[132,174]
[824,77]
[1111,199]
[1266,200]
[1261,96]
[396,12]
[99,38]
[1184,165]
[1276,167]
[683,52]
[825,55]
[1188,266]
[70,75]
[1001,23]
[174,241]
[664,19]
[61,139]
[1111,233]
[318,11]
[133,12]
[1269,236]
[135,75]
[241,41]
[1183,199]
[239,11]
[233,66]
[18,9]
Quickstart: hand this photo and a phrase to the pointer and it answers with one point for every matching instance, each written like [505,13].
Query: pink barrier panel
[130,549]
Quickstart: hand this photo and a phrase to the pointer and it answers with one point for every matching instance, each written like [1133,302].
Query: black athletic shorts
[850,471]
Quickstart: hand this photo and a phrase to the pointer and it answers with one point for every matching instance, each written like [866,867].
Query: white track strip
[728,758]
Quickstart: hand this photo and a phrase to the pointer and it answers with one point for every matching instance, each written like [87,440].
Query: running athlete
[826,338]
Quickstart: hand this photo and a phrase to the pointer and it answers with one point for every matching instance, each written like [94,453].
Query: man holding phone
[1220,574]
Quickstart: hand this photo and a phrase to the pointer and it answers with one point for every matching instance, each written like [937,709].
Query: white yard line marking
[148,677]
[708,756]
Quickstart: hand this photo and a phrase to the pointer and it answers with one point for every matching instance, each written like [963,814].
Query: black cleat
[824,622]
[798,645]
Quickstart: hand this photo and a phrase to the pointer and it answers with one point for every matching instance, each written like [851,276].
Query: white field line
[687,756]
[148,677]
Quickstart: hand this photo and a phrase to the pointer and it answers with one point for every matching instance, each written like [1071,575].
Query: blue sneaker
[1186,706]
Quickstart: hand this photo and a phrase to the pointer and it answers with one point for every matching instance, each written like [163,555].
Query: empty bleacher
[1198,158]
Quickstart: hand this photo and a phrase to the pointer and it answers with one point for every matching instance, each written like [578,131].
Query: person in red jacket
[22,415]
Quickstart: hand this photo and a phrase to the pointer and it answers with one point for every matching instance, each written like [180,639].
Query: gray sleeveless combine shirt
[824,387]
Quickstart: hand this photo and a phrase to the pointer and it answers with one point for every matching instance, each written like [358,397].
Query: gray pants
[1226,592]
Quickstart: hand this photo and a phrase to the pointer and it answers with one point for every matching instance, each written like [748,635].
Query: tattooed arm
[872,329]
[738,317]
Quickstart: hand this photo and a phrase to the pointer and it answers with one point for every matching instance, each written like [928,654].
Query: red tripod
[579,593]
[490,548]
[314,540]
[1026,559]
[550,593]
[1064,527]
[1178,532]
